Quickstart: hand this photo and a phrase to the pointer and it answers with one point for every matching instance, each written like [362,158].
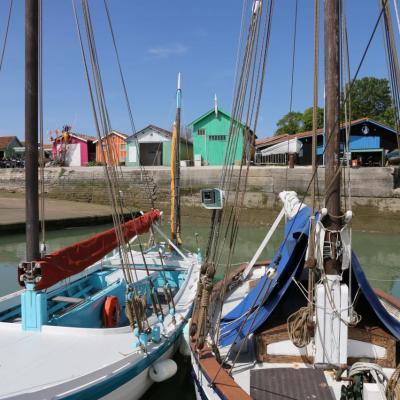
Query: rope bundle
[393,385]
[299,327]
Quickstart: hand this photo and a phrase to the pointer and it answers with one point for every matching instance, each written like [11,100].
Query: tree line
[370,97]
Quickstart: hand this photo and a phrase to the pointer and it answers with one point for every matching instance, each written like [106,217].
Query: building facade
[210,134]
[151,146]
[72,149]
[7,146]
[369,142]
[116,143]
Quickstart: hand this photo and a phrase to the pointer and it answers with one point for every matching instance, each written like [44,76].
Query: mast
[332,84]
[175,170]
[31,129]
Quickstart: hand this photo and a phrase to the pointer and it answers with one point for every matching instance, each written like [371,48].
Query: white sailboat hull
[137,387]
[62,362]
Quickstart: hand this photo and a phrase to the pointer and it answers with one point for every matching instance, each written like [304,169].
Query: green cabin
[151,146]
[210,134]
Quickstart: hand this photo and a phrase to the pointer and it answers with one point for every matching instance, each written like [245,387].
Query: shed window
[201,132]
[219,138]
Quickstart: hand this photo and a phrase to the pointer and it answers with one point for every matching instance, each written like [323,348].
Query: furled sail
[75,258]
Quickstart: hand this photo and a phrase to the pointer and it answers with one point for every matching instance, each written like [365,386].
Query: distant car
[393,157]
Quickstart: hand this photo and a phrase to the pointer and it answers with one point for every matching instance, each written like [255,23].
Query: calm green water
[378,252]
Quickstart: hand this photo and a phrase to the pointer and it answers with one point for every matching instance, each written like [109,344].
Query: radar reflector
[212,199]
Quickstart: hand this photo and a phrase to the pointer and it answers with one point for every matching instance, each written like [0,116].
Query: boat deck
[60,360]
[305,383]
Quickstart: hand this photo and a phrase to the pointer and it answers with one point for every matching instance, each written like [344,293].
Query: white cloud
[166,51]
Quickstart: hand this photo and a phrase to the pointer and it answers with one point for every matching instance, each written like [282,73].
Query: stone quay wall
[377,189]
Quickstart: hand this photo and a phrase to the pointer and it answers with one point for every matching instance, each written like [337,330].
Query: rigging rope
[3,49]
[393,385]
[393,66]
[100,112]
[254,58]
[113,172]
[129,107]
[291,88]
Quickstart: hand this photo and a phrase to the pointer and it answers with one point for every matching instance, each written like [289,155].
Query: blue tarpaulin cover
[268,292]
[261,301]
[392,324]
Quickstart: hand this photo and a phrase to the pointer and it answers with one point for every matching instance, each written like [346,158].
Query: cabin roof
[271,140]
[6,140]
[113,132]
[161,131]
[211,111]
[82,136]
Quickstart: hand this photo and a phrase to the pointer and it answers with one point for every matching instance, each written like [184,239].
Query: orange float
[111,312]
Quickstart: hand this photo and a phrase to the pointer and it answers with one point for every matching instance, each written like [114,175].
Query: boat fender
[111,312]
[184,347]
[162,370]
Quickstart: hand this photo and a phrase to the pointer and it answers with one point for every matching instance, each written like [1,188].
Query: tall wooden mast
[31,128]
[175,170]
[332,101]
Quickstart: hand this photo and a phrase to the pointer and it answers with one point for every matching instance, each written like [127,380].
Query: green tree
[290,123]
[371,97]
[308,116]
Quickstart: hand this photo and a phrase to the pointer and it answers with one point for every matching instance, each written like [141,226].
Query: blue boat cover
[266,295]
[261,301]
[392,324]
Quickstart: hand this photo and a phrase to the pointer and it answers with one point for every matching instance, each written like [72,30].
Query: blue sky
[156,40]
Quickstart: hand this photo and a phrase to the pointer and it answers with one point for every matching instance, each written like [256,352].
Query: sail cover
[258,305]
[392,324]
[261,301]
[75,258]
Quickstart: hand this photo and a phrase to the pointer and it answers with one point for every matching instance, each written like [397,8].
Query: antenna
[216,105]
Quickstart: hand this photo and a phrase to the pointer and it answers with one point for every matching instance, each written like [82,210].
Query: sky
[156,40]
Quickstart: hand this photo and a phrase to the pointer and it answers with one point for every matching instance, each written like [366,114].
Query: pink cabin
[73,149]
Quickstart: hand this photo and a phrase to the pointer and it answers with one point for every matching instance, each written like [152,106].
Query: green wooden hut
[210,134]
[151,146]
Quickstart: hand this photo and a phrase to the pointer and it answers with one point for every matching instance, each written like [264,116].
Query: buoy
[111,312]
[162,370]
[184,347]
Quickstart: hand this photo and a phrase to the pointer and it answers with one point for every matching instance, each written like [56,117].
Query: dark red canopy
[75,258]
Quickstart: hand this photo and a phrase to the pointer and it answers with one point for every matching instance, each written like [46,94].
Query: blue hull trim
[198,387]
[198,384]
[115,381]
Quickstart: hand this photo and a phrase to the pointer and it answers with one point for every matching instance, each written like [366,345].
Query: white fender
[184,347]
[162,370]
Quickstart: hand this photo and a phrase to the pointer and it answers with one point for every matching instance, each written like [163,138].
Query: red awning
[75,258]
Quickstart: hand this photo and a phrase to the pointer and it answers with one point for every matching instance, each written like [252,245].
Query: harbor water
[378,252]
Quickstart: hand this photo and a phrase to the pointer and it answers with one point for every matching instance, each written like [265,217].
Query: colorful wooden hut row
[205,141]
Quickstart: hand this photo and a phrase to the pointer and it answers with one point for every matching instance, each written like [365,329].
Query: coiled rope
[393,385]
